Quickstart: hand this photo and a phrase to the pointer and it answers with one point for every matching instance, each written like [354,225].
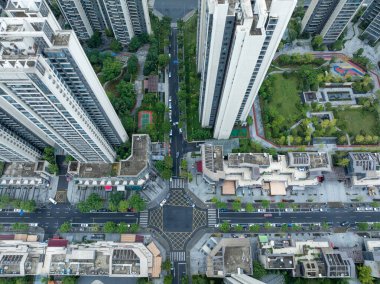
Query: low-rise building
[297,169]
[364,168]
[241,279]
[372,256]
[307,259]
[131,173]
[25,174]
[19,258]
[230,256]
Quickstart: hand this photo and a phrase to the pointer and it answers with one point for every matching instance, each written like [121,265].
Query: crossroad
[177,256]
[211,217]
[144,218]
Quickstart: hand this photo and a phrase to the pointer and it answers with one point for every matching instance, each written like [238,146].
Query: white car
[171,133]
[180,130]
[33,224]
[368,209]
[261,210]
[288,209]
[170,74]
[84,225]
[163,202]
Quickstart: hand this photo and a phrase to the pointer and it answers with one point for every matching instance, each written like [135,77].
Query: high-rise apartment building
[126,18]
[329,18]
[47,81]
[371,18]
[237,41]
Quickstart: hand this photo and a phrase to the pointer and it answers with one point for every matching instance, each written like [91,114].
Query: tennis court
[145,118]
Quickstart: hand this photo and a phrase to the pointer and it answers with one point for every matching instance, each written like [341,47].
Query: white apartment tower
[236,44]
[47,85]
[126,18]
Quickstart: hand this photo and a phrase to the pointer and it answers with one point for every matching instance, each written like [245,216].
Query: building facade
[47,81]
[329,18]
[371,18]
[126,18]
[239,40]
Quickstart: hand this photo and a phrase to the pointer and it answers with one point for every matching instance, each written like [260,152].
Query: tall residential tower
[48,85]
[371,18]
[126,18]
[329,18]
[237,41]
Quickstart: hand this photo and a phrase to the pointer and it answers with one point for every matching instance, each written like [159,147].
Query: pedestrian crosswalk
[177,183]
[177,256]
[211,217]
[144,215]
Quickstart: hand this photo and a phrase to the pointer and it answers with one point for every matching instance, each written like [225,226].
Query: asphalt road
[177,142]
[333,215]
[51,218]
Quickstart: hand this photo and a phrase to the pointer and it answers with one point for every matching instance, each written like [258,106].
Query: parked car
[162,203]
[345,224]
[288,209]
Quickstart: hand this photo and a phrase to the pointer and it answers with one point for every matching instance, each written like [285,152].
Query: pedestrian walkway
[177,256]
[144,218]
[211,217]
[177,183]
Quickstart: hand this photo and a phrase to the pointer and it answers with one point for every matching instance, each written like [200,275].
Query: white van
[52,201]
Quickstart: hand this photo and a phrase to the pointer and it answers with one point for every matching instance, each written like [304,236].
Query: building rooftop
[228,256]
[338,265]
[280,262]
[364,162]
[213,157]
[139,158]
[246,159]
[312,160]
[17,170]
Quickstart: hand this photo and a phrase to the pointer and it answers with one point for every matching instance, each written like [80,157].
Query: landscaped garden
[348,111]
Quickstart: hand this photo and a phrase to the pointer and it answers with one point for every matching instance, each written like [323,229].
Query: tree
[134,228]
[114,200]
[265,203]
[122,228]
[249,207]
[254,228]
[284,227]
[133,65]
[281,205]
[258,270]
[317,42]
[238,228]
[134,44]
[163,60]
[364,274]
[236,205]
[69,280]
[95,40]
[375,204]
[249,120]
[108,32]
[168,279]
[111,69]
[225,227]
[137,203]
[123,206]
[109,227]
[363,226]
[167,265]
[65,227]
[343,162]
[116,46]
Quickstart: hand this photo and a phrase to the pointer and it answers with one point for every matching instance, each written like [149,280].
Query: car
[104,210]
[33,224]
[345,224]
[52,201]
[170,55]
[170,100]
[171,133]
[234,236]
[216,225]
[93,211]
[170,74]
[180,130]
[261,210]
[84,225]
[193,205]
[288,209]
[223,210]
[376,209]
[268,215]
[16,210]
[177,155]
[170,106]
[302,169]
[368,209]
[162,202]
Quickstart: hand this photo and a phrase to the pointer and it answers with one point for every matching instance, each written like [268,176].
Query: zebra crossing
[144,215]
[177,183]
[177,256]
[211,217]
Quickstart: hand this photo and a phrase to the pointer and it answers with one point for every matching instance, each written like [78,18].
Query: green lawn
[286,95]
[357,120]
